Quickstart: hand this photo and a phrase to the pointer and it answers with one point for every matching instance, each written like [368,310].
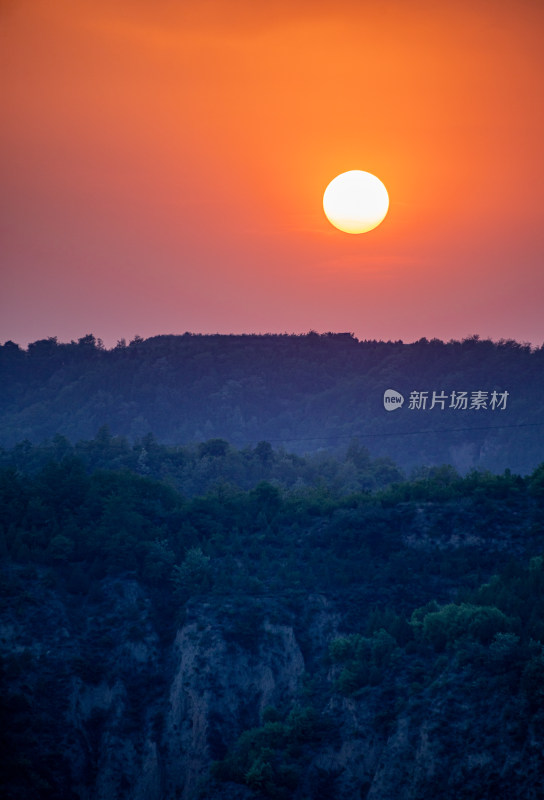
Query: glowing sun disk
[355,201]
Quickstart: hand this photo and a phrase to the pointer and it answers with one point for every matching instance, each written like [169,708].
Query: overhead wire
[357,435]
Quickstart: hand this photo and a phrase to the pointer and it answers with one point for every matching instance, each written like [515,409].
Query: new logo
[392,400]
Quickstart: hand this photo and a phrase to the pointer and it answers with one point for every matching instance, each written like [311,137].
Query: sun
[355,201]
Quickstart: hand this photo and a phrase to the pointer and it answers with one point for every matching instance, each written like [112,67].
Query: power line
[406,433]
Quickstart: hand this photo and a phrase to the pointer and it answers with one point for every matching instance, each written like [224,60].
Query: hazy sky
[163,166]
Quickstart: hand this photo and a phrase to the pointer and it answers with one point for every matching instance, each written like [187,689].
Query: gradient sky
[163,166]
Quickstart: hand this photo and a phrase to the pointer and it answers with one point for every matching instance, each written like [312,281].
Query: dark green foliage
[419,603]
[365,661]
[270,759]
[532,682]
[453,622]
[193,576]
[214,448]
[93,522]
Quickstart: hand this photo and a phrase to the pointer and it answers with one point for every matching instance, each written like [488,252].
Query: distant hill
[302,393]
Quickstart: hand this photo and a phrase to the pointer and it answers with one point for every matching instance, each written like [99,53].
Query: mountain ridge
[304,393]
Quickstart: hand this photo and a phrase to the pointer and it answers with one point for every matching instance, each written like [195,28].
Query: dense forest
[210,622]
[303,393]
[230,571]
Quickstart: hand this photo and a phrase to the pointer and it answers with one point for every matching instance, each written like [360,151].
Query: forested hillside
[271,632]
[304,393]
[230,572]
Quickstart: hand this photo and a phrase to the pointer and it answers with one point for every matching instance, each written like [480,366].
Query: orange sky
[163,166]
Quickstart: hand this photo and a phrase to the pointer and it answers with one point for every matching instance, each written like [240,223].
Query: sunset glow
[164,168]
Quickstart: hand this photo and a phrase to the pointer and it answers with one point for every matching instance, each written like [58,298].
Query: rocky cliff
[295,643]
[104,704]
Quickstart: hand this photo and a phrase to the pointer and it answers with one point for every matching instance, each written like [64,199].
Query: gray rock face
[215,687]
[143,719]
[119,712]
